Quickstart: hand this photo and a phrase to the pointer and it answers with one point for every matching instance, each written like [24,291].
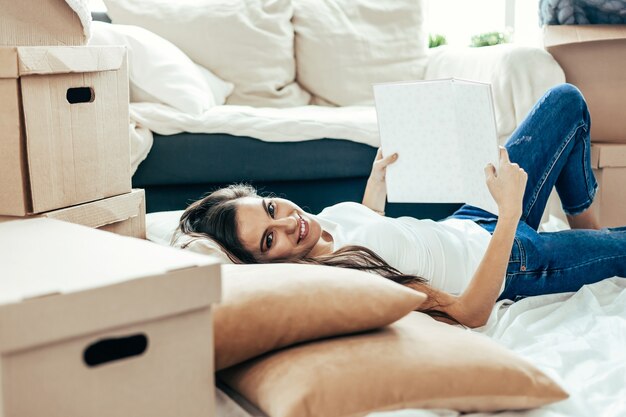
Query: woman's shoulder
[346,207]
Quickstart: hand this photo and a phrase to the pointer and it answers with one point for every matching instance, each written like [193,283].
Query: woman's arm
[474,306]
[375,194]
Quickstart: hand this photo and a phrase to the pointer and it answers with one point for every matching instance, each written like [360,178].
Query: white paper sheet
[445,134]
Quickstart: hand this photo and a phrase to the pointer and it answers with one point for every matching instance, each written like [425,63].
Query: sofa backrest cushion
[247,42]
[345,46]
[159,72]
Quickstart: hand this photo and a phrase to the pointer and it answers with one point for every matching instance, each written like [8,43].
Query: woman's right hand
[507,186]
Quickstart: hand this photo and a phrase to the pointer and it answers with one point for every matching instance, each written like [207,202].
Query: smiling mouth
[303,229]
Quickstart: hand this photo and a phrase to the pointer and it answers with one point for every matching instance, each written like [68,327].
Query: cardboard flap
[607,155]
[67,59]
[554,35]
[59,280]
[102,212]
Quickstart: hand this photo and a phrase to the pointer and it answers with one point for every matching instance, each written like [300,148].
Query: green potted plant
[490,39]
[436,39]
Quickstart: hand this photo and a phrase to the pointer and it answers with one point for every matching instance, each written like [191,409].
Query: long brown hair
[214,216]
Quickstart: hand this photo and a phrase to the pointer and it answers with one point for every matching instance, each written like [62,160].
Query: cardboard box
[95,324]
[39,22]
[123,214]
[64,136]
[609,166]
[593,58]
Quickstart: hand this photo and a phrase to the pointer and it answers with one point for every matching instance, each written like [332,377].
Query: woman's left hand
[379,167]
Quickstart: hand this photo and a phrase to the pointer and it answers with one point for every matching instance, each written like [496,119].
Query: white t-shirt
[446,253]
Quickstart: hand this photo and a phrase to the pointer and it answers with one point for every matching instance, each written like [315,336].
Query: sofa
[312,162]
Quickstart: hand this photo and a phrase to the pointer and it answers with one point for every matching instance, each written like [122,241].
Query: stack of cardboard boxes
[91,323]
[593,58]
[64,144]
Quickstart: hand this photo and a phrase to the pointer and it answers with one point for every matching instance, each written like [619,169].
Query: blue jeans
[552,144]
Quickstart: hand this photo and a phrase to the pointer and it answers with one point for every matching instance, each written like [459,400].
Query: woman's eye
[269,239]
[270,209]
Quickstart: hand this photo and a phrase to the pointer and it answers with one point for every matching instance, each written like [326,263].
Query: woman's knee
[569,99]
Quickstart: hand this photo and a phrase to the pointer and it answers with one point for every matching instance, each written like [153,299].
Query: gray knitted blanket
[582,12]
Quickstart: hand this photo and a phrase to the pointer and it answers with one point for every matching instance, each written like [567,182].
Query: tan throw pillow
[270,306]
[248,42]
[345,46]
[415,363]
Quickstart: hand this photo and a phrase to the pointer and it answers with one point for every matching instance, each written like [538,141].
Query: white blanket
[81,8]
[577,339]
[290,124]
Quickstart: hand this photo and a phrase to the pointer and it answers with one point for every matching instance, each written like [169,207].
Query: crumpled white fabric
[140,144]
[81,8]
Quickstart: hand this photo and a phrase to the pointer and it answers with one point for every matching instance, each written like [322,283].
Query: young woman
[466,262]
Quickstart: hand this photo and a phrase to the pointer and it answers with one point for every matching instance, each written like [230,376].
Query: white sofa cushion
[159,72]
[344,46]
[246,42]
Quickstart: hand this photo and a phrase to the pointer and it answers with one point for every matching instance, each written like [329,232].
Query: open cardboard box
[593,58]
[609,166]
[64,122]
[95,324]
[123,214]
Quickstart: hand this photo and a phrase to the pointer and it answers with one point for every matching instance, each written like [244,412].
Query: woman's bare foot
[585,220]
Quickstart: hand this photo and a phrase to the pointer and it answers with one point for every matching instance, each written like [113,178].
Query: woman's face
[275,229]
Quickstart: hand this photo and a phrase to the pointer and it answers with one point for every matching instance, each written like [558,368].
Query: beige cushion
[266,307]
[344,46]
[246,42]
[414,363]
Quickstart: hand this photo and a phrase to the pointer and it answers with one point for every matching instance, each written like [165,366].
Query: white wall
[97,5]
[459,20]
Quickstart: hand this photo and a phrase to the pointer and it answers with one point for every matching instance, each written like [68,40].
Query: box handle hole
[80,95]
[114,349]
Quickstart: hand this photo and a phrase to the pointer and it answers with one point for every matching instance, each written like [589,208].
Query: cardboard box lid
[605,155]
[556,35]
[18,61]
[60,280]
